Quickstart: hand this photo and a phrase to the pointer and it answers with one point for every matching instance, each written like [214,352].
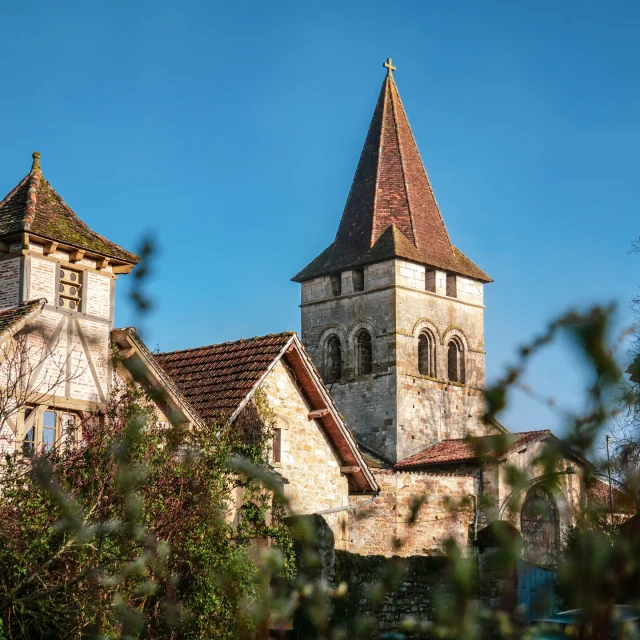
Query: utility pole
[609,474]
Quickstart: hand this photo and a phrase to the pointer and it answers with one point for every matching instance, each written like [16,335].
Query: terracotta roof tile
[391,190]
[470,449]
[10,317]
[217,378]
[33,206]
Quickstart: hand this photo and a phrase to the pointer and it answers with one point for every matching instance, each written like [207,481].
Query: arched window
[427,354]
[364,357]
[333,360]
[455,361]
[539,526]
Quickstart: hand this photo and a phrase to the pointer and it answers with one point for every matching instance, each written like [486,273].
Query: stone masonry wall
[368,402]
[419,582]
[395,410]
[431,408]
[373,528]
[308,462]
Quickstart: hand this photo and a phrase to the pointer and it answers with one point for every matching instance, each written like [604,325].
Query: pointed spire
[391,188]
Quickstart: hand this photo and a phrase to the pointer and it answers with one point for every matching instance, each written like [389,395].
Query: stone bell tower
[392,312]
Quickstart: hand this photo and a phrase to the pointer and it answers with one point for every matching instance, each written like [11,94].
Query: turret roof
[391,210]
[33,206]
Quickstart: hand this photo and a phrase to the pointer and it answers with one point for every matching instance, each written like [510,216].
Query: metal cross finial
[389,66]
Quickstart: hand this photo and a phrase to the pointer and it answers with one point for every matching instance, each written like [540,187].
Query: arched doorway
[539,526]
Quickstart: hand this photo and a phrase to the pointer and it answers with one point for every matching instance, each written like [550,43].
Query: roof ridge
[383,93]
[35,176]
[405,184]
[229,342]
[14,190]
[423,167]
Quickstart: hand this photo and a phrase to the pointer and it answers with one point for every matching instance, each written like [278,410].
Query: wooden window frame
[37,427]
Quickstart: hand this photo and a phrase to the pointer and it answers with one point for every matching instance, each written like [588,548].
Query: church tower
[392,312]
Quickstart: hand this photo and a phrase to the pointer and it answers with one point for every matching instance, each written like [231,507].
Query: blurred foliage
[150,530]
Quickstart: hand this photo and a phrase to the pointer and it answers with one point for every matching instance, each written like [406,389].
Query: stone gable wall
[309,462]
[373,528]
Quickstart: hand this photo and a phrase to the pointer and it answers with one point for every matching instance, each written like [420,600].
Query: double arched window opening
[455,361]
[364,355]
[427,354]
[333,360]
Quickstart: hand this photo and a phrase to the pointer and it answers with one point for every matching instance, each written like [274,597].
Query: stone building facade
[377,408]
[393,318]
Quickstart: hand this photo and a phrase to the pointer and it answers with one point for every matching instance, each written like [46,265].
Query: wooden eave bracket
[102,262]
[25,240]
[122,268]
[49,247]
[76,255]
[126,353]
[318,413]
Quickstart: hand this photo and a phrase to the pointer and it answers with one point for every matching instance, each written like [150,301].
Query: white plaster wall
[43,280]
[98,295]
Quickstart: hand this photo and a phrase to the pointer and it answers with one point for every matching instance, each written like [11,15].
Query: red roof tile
[34,207]
[217,378]
[469,449]
[391,189]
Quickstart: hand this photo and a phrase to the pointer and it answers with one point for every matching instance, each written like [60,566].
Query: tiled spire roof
[391,188]
[33,206]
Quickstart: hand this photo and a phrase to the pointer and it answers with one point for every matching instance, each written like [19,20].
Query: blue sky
[232,130]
